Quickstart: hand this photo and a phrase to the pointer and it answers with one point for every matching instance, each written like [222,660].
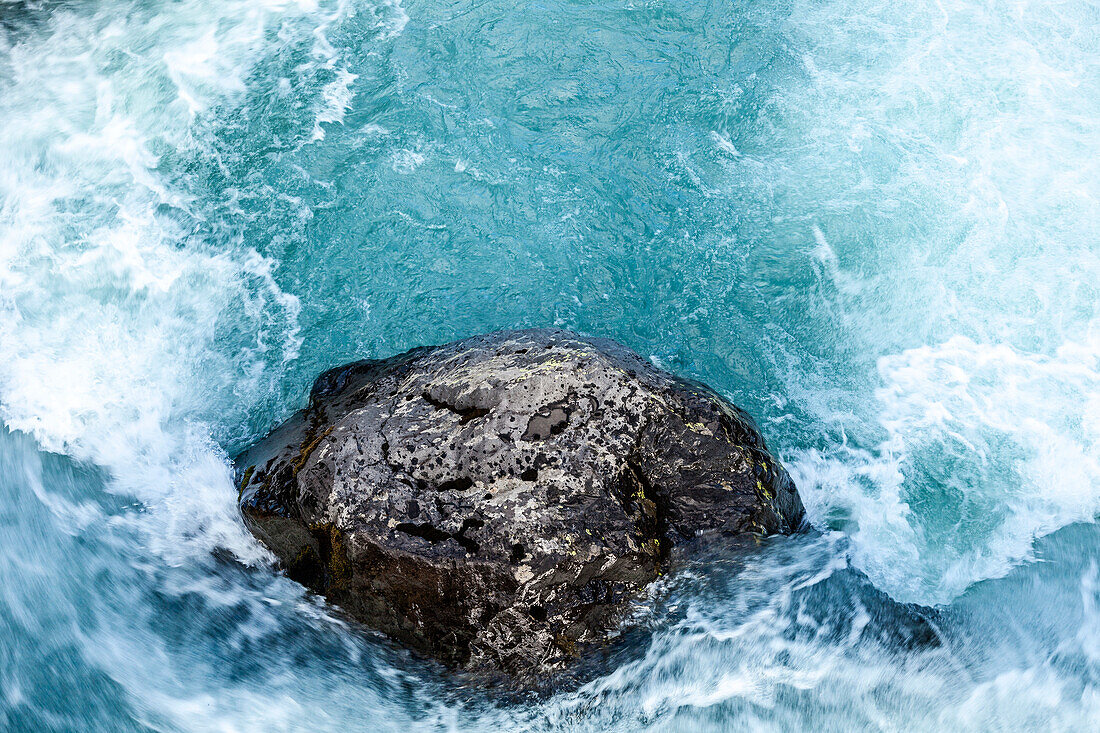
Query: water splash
[873,225]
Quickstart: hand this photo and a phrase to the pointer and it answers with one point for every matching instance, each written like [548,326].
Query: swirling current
[876,226]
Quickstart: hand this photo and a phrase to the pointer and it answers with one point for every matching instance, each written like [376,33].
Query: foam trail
[875,224]
[137,333]
[113,314]
[962,412]
[964,294]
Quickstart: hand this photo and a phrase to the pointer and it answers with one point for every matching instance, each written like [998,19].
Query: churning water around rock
[876,226]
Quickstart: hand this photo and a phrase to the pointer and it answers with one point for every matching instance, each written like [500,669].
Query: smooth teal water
[874,225]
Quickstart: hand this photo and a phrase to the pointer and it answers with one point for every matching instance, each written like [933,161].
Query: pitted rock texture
[495,502]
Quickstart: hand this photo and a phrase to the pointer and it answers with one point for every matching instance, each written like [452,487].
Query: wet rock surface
[496,502]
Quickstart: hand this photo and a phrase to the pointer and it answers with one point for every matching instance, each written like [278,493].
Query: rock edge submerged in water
[496,502]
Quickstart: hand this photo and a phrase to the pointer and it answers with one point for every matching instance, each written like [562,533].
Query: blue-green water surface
[876,226]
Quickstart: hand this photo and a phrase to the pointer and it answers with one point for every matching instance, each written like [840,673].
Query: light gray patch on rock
[496,502]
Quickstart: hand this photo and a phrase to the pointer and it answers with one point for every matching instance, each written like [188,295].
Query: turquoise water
[874,225]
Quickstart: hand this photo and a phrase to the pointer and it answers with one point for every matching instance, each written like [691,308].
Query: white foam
[110,316]
[964,138]
[1025,422]
[391,16]
[723,143]
[336,96]
[406,161]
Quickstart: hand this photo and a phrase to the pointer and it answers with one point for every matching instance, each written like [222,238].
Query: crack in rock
[512,539]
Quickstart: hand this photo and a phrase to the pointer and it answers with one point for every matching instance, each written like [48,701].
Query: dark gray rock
[495,502]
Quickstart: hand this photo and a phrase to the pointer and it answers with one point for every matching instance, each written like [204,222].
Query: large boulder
[497,501]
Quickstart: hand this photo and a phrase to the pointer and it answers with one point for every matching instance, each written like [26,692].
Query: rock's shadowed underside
[495,502]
